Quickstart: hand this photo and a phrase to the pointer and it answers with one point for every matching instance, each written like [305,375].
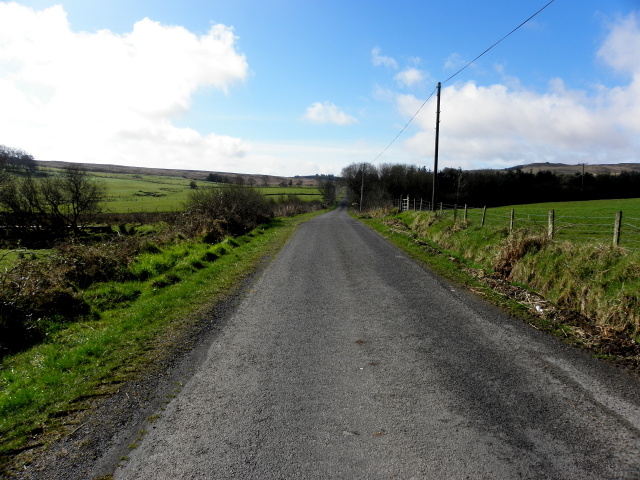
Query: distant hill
[561,168]
[200,175]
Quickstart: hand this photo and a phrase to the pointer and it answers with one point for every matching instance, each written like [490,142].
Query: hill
[199,175]
[595,169]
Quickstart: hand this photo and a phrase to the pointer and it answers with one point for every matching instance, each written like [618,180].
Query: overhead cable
[457,73]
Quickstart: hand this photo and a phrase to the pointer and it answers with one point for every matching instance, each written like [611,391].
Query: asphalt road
[348,360]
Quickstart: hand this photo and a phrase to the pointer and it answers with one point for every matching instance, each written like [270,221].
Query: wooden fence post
[552,221]
[616,229]
[466,212]
[484,215]
[513,218]
[441,208]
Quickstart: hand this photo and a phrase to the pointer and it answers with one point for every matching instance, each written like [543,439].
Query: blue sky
[290,87]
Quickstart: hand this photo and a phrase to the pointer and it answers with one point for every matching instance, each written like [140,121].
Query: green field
[589,221]
[128,193]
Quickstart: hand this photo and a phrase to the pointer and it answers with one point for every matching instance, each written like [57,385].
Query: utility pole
[362,188]
[582,183]
[435,157]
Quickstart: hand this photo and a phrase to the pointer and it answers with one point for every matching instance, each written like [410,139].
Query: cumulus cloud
[409,77]
[327,112]
[107,97]
[379,60]
[502,125]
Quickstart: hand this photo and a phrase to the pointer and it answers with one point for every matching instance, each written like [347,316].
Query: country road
[346,359]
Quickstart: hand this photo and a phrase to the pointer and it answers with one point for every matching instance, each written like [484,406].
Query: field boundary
[618,228]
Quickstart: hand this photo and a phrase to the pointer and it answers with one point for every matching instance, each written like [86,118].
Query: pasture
[134,193]
[579,222]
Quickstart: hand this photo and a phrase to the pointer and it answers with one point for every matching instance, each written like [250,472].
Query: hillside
[595,169]
[199,175]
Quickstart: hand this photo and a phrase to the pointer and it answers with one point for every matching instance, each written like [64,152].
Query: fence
[616,228]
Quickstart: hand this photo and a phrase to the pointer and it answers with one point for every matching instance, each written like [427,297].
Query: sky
[304,87]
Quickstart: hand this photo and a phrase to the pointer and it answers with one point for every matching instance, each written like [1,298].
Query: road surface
[348,360]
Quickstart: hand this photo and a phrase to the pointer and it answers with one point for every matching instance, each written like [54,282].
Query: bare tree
[73,198]
[70,199]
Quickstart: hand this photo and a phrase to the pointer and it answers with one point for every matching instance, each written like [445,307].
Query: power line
[499,41]
[405,127]
[457,73]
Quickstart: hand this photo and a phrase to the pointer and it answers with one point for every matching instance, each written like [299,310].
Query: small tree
[193,185]
[328,191]
[73,198]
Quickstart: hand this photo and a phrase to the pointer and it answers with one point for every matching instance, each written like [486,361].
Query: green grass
[581,222]
[151,193]
[144,193]
[131,193]
[139,321]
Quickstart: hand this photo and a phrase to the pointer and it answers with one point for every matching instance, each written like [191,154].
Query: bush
[232,209]
[34,302]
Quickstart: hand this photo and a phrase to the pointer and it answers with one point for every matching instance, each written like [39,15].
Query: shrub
[232,209]
[34,302]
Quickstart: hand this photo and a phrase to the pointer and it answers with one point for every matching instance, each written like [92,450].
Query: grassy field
[580,222]
[152,193]
[133,193]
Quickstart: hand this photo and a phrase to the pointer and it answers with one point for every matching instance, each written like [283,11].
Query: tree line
[16,160]
[380,185]
[53,203]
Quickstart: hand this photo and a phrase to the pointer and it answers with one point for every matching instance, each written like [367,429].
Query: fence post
[440,208]
[466,211]
[552,221]
[484,215]
[414,204]
[513,218]
[616,229]
[420,204]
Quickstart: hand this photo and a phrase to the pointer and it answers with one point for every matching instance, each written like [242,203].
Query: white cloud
[409,77]
[111,98]
[620,48]
[379,60]
[502,125]
[327,112]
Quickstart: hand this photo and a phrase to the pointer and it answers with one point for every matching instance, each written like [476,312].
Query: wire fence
[616,228]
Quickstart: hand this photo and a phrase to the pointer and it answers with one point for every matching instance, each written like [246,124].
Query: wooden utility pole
[362,188]
[435,157]
[582,183]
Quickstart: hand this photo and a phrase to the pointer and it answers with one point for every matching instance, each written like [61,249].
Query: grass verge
[139,322]
[587,295]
